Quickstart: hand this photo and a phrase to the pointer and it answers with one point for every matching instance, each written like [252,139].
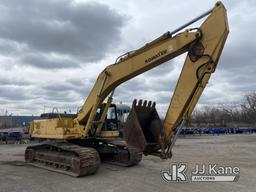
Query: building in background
[16,121]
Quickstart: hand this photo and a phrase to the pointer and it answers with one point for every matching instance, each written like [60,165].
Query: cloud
[13,93]
[49,61]
[82,31]
[14,81]
[52,51]
[38,39]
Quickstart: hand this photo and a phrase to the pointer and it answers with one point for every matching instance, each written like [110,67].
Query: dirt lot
[232,150]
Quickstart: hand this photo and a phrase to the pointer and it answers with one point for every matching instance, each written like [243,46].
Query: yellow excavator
[76,144]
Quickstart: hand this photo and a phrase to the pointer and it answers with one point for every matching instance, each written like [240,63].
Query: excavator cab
[111,122]
[143,127]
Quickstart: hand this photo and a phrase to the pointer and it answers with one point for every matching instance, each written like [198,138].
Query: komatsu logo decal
[159,54]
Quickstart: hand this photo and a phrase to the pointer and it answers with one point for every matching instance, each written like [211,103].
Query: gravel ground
[231,150]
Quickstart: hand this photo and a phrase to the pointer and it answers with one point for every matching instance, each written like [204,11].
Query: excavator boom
[204,46]
[201,61]
[130,65]
[85,141]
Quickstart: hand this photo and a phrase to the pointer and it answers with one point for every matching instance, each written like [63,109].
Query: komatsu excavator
[77,144]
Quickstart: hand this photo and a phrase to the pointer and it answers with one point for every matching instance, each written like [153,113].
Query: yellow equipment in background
[78,144]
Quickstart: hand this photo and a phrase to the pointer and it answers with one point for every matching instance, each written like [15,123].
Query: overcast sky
[52,51]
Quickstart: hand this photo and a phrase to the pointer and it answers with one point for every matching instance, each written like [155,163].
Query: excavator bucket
[143,127]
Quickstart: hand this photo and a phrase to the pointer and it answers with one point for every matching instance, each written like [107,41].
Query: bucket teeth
[144,103]
[140,103]
[149,103]
[134,102]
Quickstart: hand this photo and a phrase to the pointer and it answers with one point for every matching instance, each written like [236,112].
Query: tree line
[227,115]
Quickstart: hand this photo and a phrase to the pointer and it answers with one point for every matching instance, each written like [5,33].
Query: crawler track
[64,157]
[125,156]
[114,151]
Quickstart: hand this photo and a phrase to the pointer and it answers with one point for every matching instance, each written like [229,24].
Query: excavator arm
[195,75]
[203,55]
[204,46]
[143,128]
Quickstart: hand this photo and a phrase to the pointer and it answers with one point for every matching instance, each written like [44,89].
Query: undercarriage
[81,157]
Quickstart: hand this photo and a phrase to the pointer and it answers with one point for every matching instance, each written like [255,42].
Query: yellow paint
[187,92]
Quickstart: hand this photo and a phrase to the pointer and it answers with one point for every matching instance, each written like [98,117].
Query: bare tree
[227,114]
[249,107]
